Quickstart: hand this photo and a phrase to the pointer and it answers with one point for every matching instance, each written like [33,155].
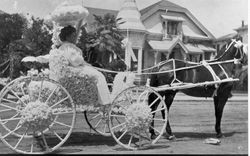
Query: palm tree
[105,40]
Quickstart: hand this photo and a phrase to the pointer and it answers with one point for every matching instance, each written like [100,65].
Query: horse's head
[234,50]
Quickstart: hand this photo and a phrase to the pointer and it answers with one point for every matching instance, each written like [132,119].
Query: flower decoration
[36,116]
[82,88]
[138,116]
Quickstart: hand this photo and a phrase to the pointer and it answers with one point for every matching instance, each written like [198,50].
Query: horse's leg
[224,92]
[169,97]
[219,103]
[153,108]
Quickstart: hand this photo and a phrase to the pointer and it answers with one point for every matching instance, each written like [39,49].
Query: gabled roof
[164,4]
[146,8]
[166,45]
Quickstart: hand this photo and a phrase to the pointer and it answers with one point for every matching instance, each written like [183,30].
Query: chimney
[242,23]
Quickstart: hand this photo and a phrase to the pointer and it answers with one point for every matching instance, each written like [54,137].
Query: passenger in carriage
[74,56]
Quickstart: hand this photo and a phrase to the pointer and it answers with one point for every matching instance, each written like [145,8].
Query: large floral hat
[69,14]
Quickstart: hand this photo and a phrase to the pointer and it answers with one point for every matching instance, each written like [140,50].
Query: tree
[33,40]
[104,41]
[11,29]
[38,37]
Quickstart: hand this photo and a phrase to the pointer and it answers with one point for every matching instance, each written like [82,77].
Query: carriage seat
[82,88]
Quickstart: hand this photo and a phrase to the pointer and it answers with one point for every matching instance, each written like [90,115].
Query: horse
[196,73]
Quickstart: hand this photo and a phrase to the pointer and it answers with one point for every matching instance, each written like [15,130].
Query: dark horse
[196,73]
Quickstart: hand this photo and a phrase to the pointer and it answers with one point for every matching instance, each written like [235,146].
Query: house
[158,31]
[241,33]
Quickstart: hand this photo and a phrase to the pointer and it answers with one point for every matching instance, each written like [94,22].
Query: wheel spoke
[41,89]
[5,110]
[23,90]
[11,132]
[130,139]
[63,124]
[95,116]
[60,102]
[118,125]
[154,102]
[10,119]
[158,119]
[60,113]
[105,127]
[157,110]
[56,134]
[155,130]
[98,123]
[19,141]
[17,96]
[114,115]
[122,134]
[9,106]
[144,100]
[51,94]
[32,145]
[45,142]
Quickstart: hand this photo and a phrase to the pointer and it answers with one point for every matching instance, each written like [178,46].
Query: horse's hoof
[220,135]
[153,136]
[171,137]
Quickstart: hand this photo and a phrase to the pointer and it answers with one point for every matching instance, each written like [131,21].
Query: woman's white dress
[73,56]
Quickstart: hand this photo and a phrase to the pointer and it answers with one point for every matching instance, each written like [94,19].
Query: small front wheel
[132,117]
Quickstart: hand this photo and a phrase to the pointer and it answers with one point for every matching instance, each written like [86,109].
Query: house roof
[245,27]
[130,14]
[206,48]
[193,49]
[165,45]
[117,4]
[172,18]
[146,8]
[226,37]
[189,32]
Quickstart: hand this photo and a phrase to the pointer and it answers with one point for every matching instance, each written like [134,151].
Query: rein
[235,61]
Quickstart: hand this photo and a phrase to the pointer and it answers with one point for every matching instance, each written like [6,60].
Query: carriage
[38,114]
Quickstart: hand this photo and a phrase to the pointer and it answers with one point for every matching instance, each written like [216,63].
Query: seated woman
[73,55]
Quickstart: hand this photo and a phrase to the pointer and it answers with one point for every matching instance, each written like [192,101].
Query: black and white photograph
[130,77]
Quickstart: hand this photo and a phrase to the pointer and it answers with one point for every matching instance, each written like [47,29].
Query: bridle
[238,45]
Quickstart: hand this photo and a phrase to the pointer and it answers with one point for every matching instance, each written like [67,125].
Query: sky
[220,17]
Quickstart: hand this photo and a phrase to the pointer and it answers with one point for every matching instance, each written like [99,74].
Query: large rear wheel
[37,115]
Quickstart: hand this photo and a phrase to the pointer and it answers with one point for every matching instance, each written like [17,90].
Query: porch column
[155,57]
[139,60]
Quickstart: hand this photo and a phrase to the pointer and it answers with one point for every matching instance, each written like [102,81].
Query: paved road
[192,122]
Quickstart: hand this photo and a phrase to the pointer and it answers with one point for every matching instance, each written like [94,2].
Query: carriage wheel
[130,118]
[37,115]
[98,121]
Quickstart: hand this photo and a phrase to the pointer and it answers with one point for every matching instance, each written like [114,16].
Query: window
[134,64]
[172,27]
